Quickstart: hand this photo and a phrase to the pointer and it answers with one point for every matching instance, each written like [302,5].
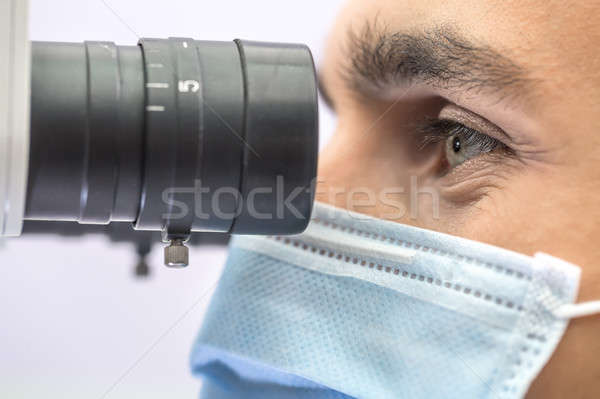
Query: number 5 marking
[186,86]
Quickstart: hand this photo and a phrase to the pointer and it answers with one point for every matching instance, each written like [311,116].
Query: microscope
[170,135]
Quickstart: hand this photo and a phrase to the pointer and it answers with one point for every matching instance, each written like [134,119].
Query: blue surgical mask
[365,308]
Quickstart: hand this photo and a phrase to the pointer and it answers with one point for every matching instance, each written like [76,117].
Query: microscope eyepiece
[174,135]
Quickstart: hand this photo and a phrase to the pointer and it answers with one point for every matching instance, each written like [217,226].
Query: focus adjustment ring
[161,122]
[187,137]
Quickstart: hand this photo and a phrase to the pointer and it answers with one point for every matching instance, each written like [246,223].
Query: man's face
[475,118]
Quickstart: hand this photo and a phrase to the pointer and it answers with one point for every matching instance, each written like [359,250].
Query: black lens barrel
[175,135]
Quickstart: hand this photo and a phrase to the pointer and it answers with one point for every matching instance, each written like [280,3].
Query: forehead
[544,21]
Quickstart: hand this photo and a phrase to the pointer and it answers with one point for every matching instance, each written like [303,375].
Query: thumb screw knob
[176,254]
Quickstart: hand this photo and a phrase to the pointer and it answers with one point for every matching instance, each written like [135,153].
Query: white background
[74,323]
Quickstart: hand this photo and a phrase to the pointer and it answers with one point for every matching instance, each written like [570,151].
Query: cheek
[550,211]
[515,214]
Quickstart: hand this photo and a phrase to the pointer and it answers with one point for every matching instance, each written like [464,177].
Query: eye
[465,143]
[461,143]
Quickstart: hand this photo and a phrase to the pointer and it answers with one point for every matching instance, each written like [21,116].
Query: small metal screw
[176,254]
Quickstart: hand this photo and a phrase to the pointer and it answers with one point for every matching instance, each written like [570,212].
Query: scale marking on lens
[157,85]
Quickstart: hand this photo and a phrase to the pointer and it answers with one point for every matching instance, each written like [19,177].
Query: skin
[543,199]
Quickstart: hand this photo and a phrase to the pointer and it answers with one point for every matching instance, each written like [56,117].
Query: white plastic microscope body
[15,60]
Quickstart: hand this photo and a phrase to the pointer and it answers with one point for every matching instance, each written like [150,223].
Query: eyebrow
[439,58]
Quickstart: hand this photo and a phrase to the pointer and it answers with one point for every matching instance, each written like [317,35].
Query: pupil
[456,145]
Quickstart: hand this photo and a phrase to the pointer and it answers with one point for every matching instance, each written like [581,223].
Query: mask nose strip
[347,243]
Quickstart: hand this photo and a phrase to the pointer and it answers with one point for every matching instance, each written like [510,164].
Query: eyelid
[434,130]
[473,121]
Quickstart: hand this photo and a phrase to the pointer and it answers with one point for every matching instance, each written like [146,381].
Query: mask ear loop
[571,311]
